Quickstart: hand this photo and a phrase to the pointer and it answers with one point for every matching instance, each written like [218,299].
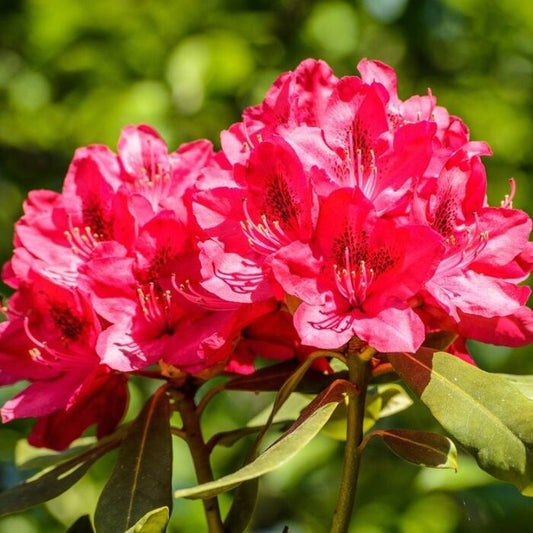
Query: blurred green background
[74,73]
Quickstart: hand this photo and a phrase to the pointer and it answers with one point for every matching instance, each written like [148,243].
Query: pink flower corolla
[265,205]
[487,252]
[105,197]
[59,231]
[358,276]
[451,132]
[161,178]
[50,340]
[136,292]
[355,146]
[157,309]
[296,98]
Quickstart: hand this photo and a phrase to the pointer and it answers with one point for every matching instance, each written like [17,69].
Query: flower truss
[336,219]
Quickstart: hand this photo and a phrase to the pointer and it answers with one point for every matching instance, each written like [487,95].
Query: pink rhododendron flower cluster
[333,211]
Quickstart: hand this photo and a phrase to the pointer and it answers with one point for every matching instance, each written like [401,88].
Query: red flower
[50,339]
[357,278]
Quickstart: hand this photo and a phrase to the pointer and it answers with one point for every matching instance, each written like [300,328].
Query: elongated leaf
[421,448]
[484,412]
[153,522]
[245,496]
[289,444]
[394,399]
[142,478]
[53,481]
[523,383]
[27,456]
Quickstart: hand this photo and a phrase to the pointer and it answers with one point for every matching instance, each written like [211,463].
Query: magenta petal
[513,330]
[478,294]
[43,397]
[391,330]
[142,151]
[101,400]
[297,271]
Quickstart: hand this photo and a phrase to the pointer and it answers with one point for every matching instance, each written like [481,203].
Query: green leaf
[523,383]
[152,522]
[487,414]
[287,446]
[245,496]
[82,525]
[53,481]
[29,457]
[142,478]
[382,400]
[394,399]
[421,448]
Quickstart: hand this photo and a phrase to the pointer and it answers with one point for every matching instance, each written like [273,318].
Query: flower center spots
[356,265]
[445,214]
[357,160]
[279,202]
[463,247]
[358,143]
[163,255]
[95,219]
[70,325]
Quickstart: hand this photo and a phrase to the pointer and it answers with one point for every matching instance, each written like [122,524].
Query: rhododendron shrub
[337,222]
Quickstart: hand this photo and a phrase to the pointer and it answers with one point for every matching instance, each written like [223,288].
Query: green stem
[359,374]
[200,456]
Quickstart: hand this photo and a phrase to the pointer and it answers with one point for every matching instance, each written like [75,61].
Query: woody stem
[200,456]
[359,374]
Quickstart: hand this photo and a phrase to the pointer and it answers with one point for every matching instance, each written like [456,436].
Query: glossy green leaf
[53,481]
[245,496]
[29,457]
[287,446]
[152,522]
[142,478]
[394,399]
[421,448]
[486,413]
[523,383]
